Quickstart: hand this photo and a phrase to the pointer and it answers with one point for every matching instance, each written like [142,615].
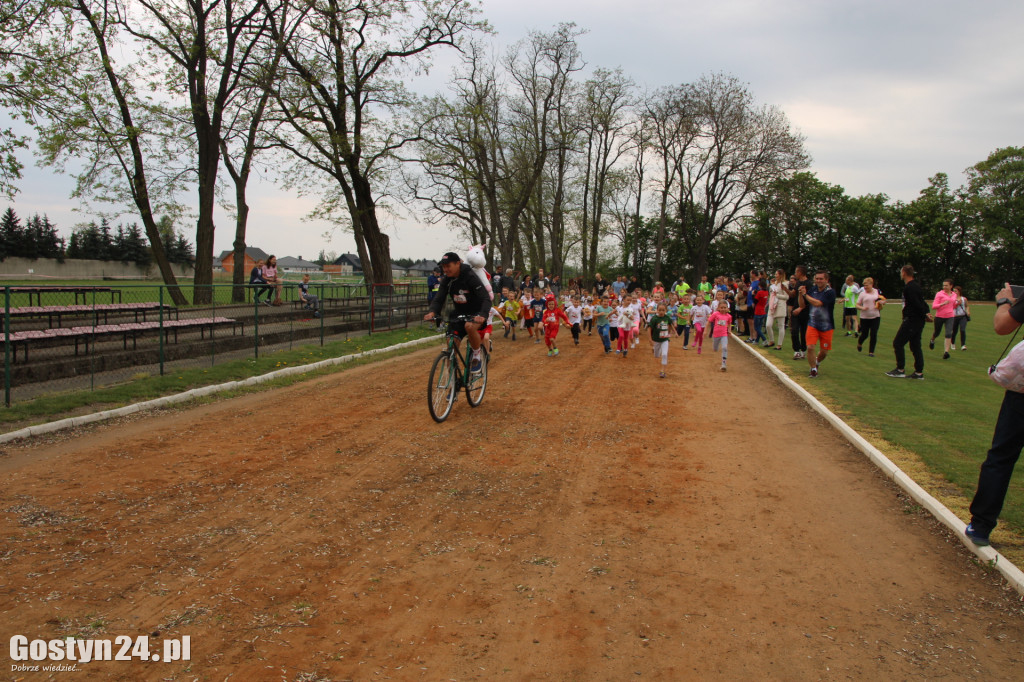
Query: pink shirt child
[944,304]
[719,323]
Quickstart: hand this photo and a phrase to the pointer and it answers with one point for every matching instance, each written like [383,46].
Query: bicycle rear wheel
[478,382]
[441,389]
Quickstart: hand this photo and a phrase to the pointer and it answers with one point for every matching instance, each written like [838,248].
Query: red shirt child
[761,302]
[552,318]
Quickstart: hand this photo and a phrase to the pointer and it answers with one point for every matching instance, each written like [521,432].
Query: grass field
[946,421]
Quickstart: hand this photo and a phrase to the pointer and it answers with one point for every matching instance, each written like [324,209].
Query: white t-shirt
[626,316]
[574,313]
[699,315]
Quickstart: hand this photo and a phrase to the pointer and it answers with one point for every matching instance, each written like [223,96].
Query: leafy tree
[995,187]
[10,234]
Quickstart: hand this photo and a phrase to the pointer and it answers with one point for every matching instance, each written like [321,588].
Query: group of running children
[619,320]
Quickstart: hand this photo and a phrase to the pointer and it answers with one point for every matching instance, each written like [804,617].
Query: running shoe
[476,365]
[723,368]
[550,353]
[974,536]
[963,347]
[915,375]
[931,345]
[662,375]
[896,373]
[814,373]
[945,356]
[556,351]
[624,353]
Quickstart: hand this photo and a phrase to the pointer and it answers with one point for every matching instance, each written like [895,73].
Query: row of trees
[39,238]
[973,233]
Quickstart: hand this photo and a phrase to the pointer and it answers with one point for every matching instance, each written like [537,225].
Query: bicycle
[451,372]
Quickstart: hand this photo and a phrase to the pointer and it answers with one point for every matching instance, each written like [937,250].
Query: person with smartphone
[1008,437]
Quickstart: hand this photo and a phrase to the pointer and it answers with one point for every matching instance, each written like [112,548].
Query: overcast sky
[886,93]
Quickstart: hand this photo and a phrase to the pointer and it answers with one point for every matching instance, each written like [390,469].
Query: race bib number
[459,298]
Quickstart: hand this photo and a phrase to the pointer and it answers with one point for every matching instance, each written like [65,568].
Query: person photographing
[469,299]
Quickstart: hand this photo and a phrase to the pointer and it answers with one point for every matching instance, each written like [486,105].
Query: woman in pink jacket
[944,308]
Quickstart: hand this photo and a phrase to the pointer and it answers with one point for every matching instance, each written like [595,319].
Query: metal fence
[59,338]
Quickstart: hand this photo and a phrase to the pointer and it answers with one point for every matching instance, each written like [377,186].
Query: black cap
[450,257]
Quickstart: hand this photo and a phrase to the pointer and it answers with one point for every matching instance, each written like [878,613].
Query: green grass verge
[142,387]
[939,429]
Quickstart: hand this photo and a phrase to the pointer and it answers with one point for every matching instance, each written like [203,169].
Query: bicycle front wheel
[478,382]
[441,389]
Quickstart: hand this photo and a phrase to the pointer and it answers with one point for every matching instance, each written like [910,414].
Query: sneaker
[476,365]
[871,355]
[931,345]
[624,353]
[945,356]
[550,353]
[796,355]
[849,333]
[662,375]
[896,373]
[963,347]
[556,351]
[859,348]
[698,351]
[617,351]
[576,341]
[723,368]
[536,340]
[607,350]
[976,537]
[316,313]
[915,375]
[814,373]
[686,348]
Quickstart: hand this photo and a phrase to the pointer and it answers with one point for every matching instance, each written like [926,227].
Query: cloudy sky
[886,93]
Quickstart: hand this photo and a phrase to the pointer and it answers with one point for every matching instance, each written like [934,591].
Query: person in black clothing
[633,285]
[801,315]
[915,315]
[600,286]
[469,297]
[1007,440]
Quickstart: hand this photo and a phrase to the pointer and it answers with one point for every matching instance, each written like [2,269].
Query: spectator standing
[633,285]
[1007,439]
[600,286]
[433,283]
[542,283]
[915,315]
[556,285]
[801,315]
[618,286]
[498,279]
[778,293]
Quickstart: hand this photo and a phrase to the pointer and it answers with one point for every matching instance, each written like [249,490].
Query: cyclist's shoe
[476,364]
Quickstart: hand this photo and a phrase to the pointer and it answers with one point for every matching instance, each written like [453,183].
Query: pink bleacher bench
[92,334]
[104,309]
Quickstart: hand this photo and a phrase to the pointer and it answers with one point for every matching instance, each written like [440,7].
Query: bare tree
[738,151]
[342,93]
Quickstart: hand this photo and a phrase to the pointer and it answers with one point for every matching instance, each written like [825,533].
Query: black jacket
[469,296]
[914,305]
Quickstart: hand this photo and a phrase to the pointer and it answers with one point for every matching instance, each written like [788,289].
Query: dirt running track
[588,522]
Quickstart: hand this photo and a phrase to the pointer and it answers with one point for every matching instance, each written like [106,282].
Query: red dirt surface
[589,521]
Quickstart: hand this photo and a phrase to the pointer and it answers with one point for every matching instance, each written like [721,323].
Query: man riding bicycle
[469,297]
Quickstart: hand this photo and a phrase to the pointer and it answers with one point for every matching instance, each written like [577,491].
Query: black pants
[576,332]
[798,332]
[960,325]
[869,326]
[994,479]
[909,333]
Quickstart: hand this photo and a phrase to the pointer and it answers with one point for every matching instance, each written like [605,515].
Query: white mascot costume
[476,259]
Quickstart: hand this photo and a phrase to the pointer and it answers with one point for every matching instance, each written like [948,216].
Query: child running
[510,309]
[683,320]
[553,318]
[574,311]
[602,313]
[718,326]
[626,316]
[661,328]
[699,314]
[588,315]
